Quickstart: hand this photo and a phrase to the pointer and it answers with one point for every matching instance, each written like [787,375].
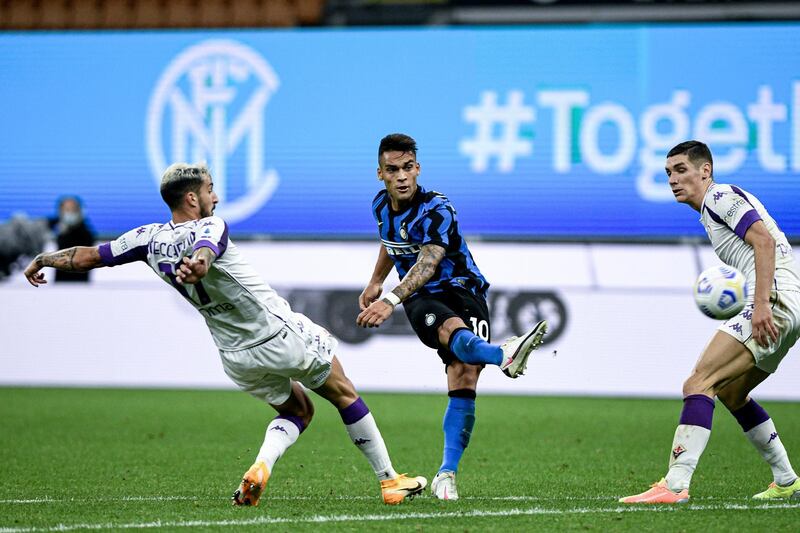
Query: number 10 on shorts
[480,328]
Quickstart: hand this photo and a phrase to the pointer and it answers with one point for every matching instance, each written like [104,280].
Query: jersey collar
[705,198]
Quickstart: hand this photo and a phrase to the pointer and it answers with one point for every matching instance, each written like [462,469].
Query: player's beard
[207,211]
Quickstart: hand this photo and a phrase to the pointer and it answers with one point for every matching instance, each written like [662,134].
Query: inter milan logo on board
[209,106]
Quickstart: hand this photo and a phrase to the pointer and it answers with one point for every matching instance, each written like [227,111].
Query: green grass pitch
[76,459]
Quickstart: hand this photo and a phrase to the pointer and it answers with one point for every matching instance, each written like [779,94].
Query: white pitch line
[34,500]
[320,519]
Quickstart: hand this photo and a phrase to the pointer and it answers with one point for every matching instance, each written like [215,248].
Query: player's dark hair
[697,152]
[179,179]
[397,142]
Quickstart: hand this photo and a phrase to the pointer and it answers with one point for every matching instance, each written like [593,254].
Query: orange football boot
[252,486]
[398,489]
[658,493]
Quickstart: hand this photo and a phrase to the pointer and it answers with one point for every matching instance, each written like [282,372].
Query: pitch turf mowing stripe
[319,519]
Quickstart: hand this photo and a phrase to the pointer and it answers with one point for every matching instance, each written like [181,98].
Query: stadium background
[545,122]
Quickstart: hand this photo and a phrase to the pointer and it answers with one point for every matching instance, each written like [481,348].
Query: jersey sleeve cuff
[139,253]
[206,244]
[745,222]
[106,255]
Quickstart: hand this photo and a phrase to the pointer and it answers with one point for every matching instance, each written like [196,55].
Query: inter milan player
[442,291]
[744,350]
[266,349]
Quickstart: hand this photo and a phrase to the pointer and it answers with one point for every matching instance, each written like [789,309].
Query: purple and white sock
[281,433]
[691,438]
[760,431]
[364,433]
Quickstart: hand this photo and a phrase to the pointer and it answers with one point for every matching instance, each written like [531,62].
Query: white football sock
[687,447]
[281,433]
[765,438]
[367,437]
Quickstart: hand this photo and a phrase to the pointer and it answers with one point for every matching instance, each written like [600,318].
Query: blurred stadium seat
[115,14]
[147,14]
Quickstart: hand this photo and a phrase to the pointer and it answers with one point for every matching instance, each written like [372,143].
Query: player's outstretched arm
[429,257]
[763,244]
[374,288]
[75,259]
[195,268]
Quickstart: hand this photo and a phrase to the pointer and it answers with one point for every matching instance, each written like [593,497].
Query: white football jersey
[241,310]
[727,213]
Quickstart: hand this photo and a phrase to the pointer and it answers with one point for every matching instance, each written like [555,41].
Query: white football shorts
[785,314]
[301,351]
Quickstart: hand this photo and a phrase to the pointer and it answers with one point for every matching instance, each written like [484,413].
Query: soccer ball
[720,292]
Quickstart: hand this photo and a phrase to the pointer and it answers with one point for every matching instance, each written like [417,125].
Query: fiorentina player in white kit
[266,349]
[746,349]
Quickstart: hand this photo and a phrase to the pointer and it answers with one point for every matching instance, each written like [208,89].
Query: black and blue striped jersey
[429,219]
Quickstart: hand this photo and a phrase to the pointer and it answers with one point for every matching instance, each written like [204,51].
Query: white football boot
[517,349]
[443,486]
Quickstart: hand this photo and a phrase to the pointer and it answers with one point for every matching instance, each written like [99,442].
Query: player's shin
[760,430]
[458,422]
[365,434]
[471,349]
[691,438]
[281,433]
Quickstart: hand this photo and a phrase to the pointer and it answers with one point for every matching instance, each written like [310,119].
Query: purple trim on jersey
[747,220]
[741,193]
[750,416]
[108,258]
[105,254]
[715,217]
[354,412]
[698,410]
[206,244]
[223,241]
[218,248]
[296,420]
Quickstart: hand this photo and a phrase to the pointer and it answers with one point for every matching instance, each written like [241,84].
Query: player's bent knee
[298,404]
[447,328]
[340,394]
[338,389]
[697,384]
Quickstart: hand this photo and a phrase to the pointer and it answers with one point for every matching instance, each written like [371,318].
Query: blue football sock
[459,419]
[471,349]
